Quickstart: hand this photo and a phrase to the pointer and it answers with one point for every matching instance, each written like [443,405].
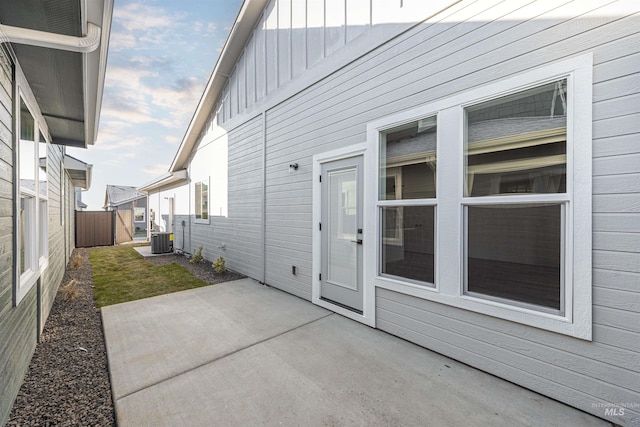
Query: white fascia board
[164,180]
[94,63]
[242,28]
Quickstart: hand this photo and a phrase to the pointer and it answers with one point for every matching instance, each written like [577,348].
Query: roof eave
[80,170]
[165,180]
[95,65]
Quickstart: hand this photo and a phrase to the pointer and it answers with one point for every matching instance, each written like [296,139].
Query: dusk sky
[161,55]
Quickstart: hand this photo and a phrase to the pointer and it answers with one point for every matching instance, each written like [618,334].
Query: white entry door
[341,231]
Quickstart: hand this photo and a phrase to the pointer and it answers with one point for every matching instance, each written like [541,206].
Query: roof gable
[119,194]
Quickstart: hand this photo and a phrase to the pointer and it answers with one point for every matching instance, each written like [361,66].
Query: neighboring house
[50,94]
[80,205]
[462,174]
[121,197]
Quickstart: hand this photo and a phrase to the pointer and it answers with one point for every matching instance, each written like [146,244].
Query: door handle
[359,241]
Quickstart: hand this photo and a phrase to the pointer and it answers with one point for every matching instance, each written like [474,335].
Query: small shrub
[76,261]
[70,291]
[197,258]
[219,266]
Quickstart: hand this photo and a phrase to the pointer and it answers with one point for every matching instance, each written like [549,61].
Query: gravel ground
[67,383]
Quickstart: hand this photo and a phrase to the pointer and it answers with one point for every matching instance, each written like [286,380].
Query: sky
[161,54]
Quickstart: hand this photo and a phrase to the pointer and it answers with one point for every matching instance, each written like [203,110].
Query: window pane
[27,123]
[408,242]
[27,237]
[408,161]
[138,214]
[44,219]
[42,166]
[205,201]
[198,197]
[514,252]
[342,228]
[27,151]
[517,143]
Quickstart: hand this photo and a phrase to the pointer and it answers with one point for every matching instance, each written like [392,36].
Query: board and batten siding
[466,46]
[235,232]
[292,37]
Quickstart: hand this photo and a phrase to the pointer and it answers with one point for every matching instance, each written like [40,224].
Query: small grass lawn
[120,274]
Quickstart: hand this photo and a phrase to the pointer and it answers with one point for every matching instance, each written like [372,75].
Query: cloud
[171,139]
[136,17]
[138,25]
[156,169]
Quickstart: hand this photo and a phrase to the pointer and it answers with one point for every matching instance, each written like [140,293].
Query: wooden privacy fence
[124,226]
[103,228]
[94,229]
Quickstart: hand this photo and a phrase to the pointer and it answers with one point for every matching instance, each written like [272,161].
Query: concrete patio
[240,353]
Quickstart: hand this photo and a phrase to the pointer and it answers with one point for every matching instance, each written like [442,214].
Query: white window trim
[195,201]
[23,282]
[577,318]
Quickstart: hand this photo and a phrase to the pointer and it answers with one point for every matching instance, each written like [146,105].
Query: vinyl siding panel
[240,231]
[445,56]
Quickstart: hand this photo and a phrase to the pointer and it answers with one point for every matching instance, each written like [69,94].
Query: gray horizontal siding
[550,363]
[19,328]
[241,230]
[438,60]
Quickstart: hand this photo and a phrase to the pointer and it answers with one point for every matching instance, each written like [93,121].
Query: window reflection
[409,242]
[408,161]
[514,252]
[517,143]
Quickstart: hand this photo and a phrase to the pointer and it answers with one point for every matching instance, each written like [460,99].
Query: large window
[502,226]
[516,145]
[32,217]
[202,200]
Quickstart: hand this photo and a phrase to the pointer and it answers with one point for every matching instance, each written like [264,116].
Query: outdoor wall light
[293,167]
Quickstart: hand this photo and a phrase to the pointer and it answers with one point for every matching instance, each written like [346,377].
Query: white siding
[250,58]
[261,61]
[315,31]
[334,29]
[358,18]
[298,38]
[284,41]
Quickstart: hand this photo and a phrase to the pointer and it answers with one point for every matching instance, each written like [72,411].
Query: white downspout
[85,44]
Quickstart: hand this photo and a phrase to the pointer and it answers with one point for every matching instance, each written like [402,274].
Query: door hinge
[320,178]
[320,276]
[320,226]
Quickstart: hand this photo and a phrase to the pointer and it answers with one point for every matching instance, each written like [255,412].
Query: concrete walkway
[242,354]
